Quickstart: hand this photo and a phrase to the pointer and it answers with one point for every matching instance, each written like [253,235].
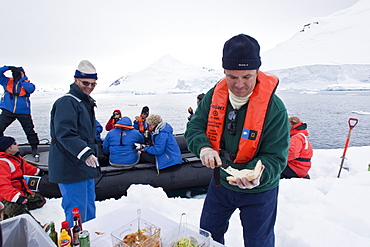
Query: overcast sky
[49,38]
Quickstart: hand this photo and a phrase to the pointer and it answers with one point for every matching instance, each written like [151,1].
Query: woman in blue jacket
[164,151]
[120,143]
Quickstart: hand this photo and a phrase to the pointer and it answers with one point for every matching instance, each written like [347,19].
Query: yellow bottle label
[65,239]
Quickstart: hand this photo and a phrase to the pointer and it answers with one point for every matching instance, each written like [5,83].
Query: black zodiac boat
[190,176]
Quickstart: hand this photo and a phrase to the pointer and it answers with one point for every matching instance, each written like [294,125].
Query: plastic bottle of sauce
[64,239]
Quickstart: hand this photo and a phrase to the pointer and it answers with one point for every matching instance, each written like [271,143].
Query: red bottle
[76,213]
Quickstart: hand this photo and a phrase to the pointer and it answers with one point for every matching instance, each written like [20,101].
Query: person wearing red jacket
[300,151]
[113,120]
[1,233]
[14,192]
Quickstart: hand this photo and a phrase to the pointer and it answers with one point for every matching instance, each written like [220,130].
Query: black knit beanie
[5,142]
[145,110]
[200,96]
[241,52]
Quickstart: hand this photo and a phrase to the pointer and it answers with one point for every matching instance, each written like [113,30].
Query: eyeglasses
[86,83]
[116,113]
[231,127]
[15,143]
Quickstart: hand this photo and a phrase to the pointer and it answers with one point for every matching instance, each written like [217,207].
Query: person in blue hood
[164,151]
[120,143]
[16,105]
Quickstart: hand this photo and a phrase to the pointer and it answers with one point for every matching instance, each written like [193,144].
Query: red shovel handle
[351,126]
[354,122]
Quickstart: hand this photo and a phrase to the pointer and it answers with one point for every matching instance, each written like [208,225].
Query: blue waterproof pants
[257,214]
[78,195]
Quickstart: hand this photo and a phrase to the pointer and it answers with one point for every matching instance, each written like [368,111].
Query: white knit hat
[86,70]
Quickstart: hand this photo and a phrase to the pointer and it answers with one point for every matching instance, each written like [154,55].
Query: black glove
[17,75]
[41,173]
[20,200]
[12,68]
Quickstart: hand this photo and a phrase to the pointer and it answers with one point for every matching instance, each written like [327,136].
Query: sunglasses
[15,143]
[231,127]
[86,83]
[116,113]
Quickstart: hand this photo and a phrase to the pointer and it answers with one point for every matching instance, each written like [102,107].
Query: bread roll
[245,173]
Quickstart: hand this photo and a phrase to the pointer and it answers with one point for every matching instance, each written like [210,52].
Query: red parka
[12,185]
[112,121]
[300,150]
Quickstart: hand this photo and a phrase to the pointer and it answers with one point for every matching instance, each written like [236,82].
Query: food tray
[150,232]
[187,233]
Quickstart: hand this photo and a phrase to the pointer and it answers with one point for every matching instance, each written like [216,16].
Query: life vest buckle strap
[18,178]
[227,155]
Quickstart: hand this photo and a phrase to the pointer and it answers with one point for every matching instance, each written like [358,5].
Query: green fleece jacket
[274,142]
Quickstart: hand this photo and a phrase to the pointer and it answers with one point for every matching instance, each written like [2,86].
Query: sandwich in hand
[245,173]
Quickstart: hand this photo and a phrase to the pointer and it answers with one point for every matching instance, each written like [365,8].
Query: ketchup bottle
[65,225]
[76,213]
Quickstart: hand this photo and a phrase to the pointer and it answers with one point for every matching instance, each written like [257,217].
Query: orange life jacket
[127,127]
[10,86]
[254,119]
[141,125]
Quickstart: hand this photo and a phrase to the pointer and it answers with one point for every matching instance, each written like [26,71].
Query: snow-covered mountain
[330,53]
[340,38]
[166,75]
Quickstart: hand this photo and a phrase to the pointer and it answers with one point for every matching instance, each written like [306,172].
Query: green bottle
[53,234]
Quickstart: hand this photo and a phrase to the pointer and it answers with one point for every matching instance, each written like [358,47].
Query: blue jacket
[13,102]
[119,143]
[165,147]
[99,129]
[73,131]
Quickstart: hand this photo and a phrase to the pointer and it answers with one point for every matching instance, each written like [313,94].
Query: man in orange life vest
[239,122]
[300,151]
[15,104]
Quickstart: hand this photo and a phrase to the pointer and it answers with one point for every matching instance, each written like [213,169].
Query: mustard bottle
[64,239]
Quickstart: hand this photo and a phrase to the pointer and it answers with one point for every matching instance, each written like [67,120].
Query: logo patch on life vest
[33,182]
[249,134]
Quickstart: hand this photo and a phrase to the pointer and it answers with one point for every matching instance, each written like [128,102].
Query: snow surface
[322,211]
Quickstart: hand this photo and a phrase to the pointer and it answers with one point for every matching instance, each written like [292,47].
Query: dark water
[327,113]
